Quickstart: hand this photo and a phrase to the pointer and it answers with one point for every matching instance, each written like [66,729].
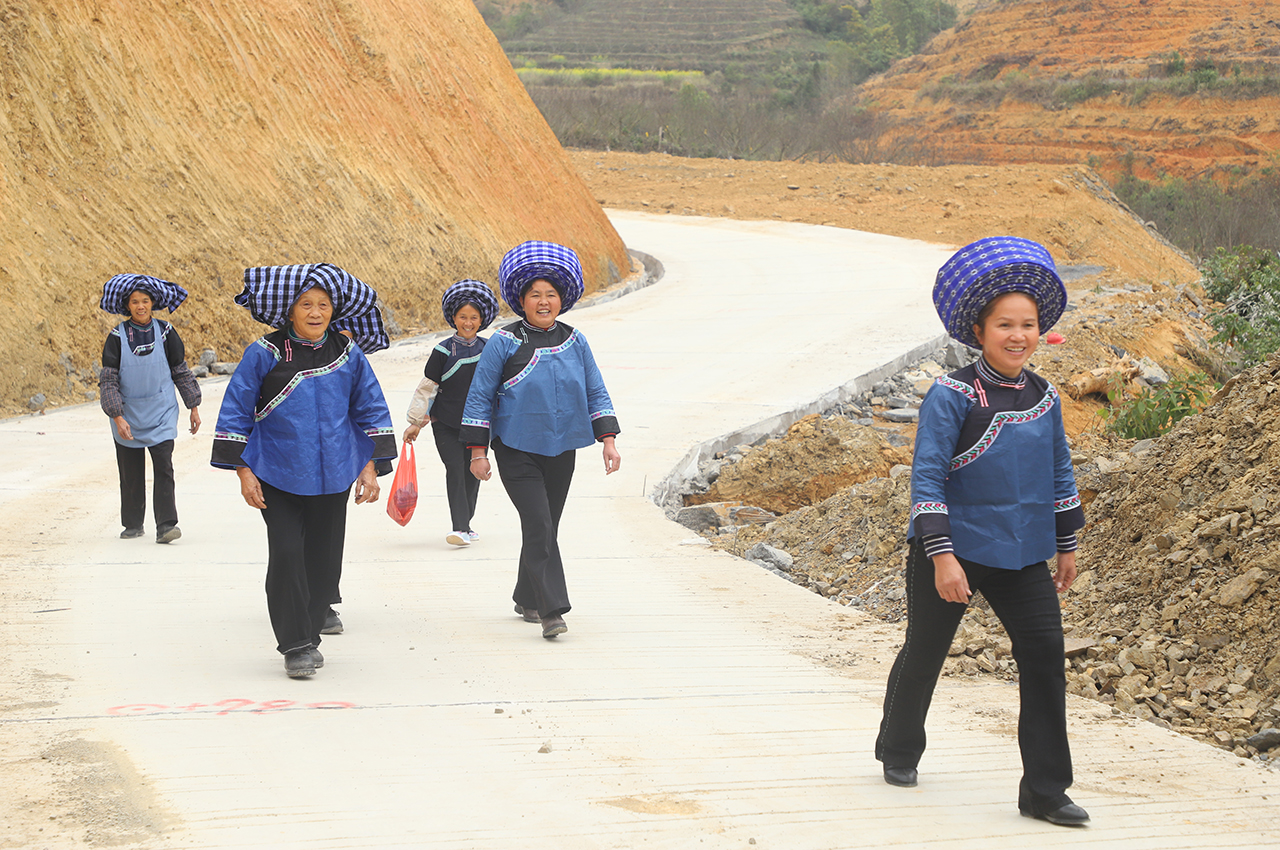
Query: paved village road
[696,702]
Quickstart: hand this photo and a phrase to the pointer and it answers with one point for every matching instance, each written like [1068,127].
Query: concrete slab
[697,701]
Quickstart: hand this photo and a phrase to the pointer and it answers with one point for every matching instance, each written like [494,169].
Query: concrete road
[696,702]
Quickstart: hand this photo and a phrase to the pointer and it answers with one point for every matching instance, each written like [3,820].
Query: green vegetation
[1246,281]
[591,77]
[1156,409]
[1202,215]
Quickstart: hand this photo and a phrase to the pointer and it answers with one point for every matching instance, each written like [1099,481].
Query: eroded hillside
[1156,86]
[192,140]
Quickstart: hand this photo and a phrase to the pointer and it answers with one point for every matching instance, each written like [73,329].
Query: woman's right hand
[250,488]
[480,467]
[950,579]
[411,433]
[122,428]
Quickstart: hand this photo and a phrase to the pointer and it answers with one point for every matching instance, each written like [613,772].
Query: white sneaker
[474,537]
[457,538]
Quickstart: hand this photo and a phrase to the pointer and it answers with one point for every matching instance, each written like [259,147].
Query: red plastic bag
[404,487]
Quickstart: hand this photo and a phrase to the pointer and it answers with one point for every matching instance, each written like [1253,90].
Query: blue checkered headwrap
[530,261]
[472,292]
[269,292]
[990,267]
[164,295]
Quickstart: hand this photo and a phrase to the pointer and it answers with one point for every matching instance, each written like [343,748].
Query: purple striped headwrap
[473,292]
[269,292]
[988,268]
[164,295]
[530,261]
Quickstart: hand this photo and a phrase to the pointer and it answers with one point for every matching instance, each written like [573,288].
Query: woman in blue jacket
[302,420]
[537,396]
[993,497]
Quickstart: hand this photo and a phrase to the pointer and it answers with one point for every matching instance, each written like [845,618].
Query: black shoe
[903,777]
[130,533]
[332,625]
[316,658]
[1068,815]
[299,664]
[168,535]
[528,614]
[552,626]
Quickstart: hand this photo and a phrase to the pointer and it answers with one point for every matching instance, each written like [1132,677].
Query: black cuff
[605,426]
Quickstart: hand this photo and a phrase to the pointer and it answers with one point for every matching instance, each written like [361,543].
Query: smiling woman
[303,418]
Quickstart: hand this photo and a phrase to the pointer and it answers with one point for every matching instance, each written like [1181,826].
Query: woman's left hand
[195,419]
[612,460]
[1066,572]
[367,489]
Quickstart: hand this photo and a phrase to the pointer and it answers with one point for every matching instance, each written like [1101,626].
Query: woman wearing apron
[143,361]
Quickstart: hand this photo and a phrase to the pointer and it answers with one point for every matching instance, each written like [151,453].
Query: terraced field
[702,35]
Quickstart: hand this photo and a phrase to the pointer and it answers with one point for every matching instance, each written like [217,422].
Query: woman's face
[541,304]
[311,313]
[1010,333]
[467,321]
[139,307]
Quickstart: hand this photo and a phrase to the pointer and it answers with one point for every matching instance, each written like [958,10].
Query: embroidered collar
[990,375]
[313,343]
[459,340]
[537,329]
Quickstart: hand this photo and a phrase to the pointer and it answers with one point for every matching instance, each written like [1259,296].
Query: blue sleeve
[235,417]
[942,413]
[369,407]
[478,411]
[1068,511]
[604,422]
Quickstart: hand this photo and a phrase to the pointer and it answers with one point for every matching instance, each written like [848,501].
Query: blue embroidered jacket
[305,418]
[539,391]
[992,468]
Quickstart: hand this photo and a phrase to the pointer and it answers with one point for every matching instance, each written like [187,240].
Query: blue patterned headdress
[269,292]
[530,261]
[991,267]
[164,295]
[472,292]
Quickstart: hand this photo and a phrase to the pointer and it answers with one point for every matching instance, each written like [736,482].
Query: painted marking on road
[221,708]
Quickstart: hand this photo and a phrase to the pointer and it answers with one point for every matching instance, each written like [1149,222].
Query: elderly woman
[143,360]
[303,419]
[536,397]
[993,497]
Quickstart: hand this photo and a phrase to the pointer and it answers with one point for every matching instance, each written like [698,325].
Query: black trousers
[1027,605]
[460,485]
[538,486]
[305,535]
[133,485]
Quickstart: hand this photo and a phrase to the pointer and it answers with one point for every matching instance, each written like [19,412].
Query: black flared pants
[1027,604]
[305,536]
[133,485]
[460,485]
[538,486]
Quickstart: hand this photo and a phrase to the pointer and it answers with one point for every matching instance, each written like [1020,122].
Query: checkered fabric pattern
[269,292]
[990,267]
[530,261]
[164,295]
[473,292]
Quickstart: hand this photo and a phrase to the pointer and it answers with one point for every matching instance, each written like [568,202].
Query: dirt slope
[192,140]
[1018,44]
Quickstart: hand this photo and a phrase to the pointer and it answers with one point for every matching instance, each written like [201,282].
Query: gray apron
[146,387]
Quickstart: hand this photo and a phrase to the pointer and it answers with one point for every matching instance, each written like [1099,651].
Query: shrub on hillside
[1246,280]
[1156,409]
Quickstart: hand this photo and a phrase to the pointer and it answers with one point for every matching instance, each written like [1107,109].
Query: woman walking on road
[469,307]
[302,420]
[537,396]
[143,360]
[993,497]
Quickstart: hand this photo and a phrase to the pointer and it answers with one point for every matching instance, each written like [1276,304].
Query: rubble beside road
[1173,616]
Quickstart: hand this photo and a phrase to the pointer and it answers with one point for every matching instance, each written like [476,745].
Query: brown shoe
[552,626]
[529,615]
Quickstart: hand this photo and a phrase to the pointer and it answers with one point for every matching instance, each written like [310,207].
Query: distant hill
[192,140]
[702,35]
[1131,86]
